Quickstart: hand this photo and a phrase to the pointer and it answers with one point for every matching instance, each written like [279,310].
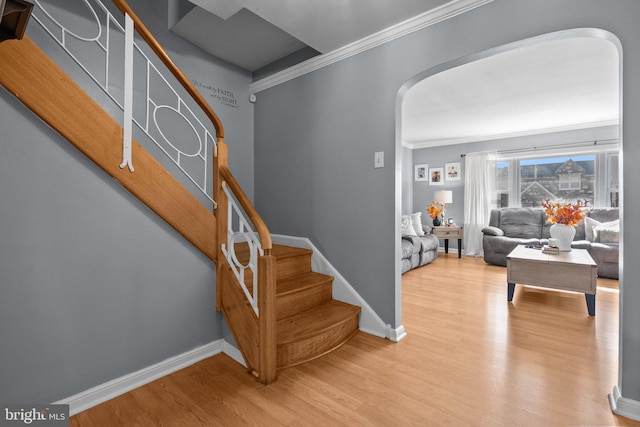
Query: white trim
[370,322]
[233,353]
[453,251]
[116,387]
[624,406]
[414,145]
[397,334]
[432,17]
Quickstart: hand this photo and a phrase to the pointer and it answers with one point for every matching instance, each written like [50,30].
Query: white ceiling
[552,86]
[255,33]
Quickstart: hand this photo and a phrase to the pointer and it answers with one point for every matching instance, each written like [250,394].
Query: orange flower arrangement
[434,209]
[563,212]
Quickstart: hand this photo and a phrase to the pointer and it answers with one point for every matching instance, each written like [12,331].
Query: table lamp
[443,197]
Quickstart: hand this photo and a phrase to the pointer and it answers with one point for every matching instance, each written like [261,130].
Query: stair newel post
[221,213]
[267,321]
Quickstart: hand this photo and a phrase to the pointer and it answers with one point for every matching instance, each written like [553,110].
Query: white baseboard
[370,322]
[233,353]
[624,406]
[103,392]
[397,334]
[453,251]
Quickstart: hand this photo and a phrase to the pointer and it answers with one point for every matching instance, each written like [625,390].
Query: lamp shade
[443,196]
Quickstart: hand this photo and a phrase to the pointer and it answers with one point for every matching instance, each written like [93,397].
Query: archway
[402,164]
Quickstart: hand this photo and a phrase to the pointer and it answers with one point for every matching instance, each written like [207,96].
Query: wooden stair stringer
[239,315]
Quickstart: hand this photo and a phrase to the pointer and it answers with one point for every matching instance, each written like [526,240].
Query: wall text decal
[223,96]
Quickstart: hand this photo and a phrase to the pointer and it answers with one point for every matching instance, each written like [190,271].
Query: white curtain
[479,187]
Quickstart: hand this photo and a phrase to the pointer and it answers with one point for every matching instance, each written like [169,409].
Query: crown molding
[415,145]
[432,17]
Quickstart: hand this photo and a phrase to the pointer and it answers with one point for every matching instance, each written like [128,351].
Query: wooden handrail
[261,228]
[43,87]
[266,323]
[178,74]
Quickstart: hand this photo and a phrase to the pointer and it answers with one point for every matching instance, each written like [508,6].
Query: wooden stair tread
[300,292]
[278,251]
[314,321]
[308,322]
[300,282]
[290,261]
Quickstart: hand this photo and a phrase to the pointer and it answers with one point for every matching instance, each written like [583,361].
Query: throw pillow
[590,223]
[406,227]
[416,222]
[604,234]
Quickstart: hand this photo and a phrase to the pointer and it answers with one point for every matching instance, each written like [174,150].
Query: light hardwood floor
[470,359]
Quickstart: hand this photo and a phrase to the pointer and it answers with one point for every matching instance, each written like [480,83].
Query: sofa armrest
[492,231]
[426,229]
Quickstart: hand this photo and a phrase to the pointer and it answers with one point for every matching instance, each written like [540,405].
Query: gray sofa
[418,246]
[418,250]
[509,227]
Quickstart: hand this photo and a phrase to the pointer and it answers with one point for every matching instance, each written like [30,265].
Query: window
[612,179]
[502,184]
[527,181]
[570,182]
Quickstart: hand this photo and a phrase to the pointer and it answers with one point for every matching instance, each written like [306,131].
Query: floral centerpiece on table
[560,212]
[435,209]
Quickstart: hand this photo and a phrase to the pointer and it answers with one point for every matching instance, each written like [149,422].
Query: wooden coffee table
[567,271]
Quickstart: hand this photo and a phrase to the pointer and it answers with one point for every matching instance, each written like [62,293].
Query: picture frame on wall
[452,171]
[436,176]
[422,172]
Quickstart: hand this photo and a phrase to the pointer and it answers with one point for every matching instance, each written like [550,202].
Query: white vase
[564,234]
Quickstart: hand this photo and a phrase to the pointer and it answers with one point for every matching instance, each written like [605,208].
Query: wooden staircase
[309,323]
[293,318]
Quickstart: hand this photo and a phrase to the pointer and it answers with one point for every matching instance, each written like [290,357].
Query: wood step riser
[289,261]
[296,302]
[293,266]
[309,322]
[314,346]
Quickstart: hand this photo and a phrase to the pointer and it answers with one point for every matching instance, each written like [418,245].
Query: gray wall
[93,285]
[407,181]
[422,192]
[211,77]
[316,135]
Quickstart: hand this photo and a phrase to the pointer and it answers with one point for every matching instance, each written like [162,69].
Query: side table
[449,232]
